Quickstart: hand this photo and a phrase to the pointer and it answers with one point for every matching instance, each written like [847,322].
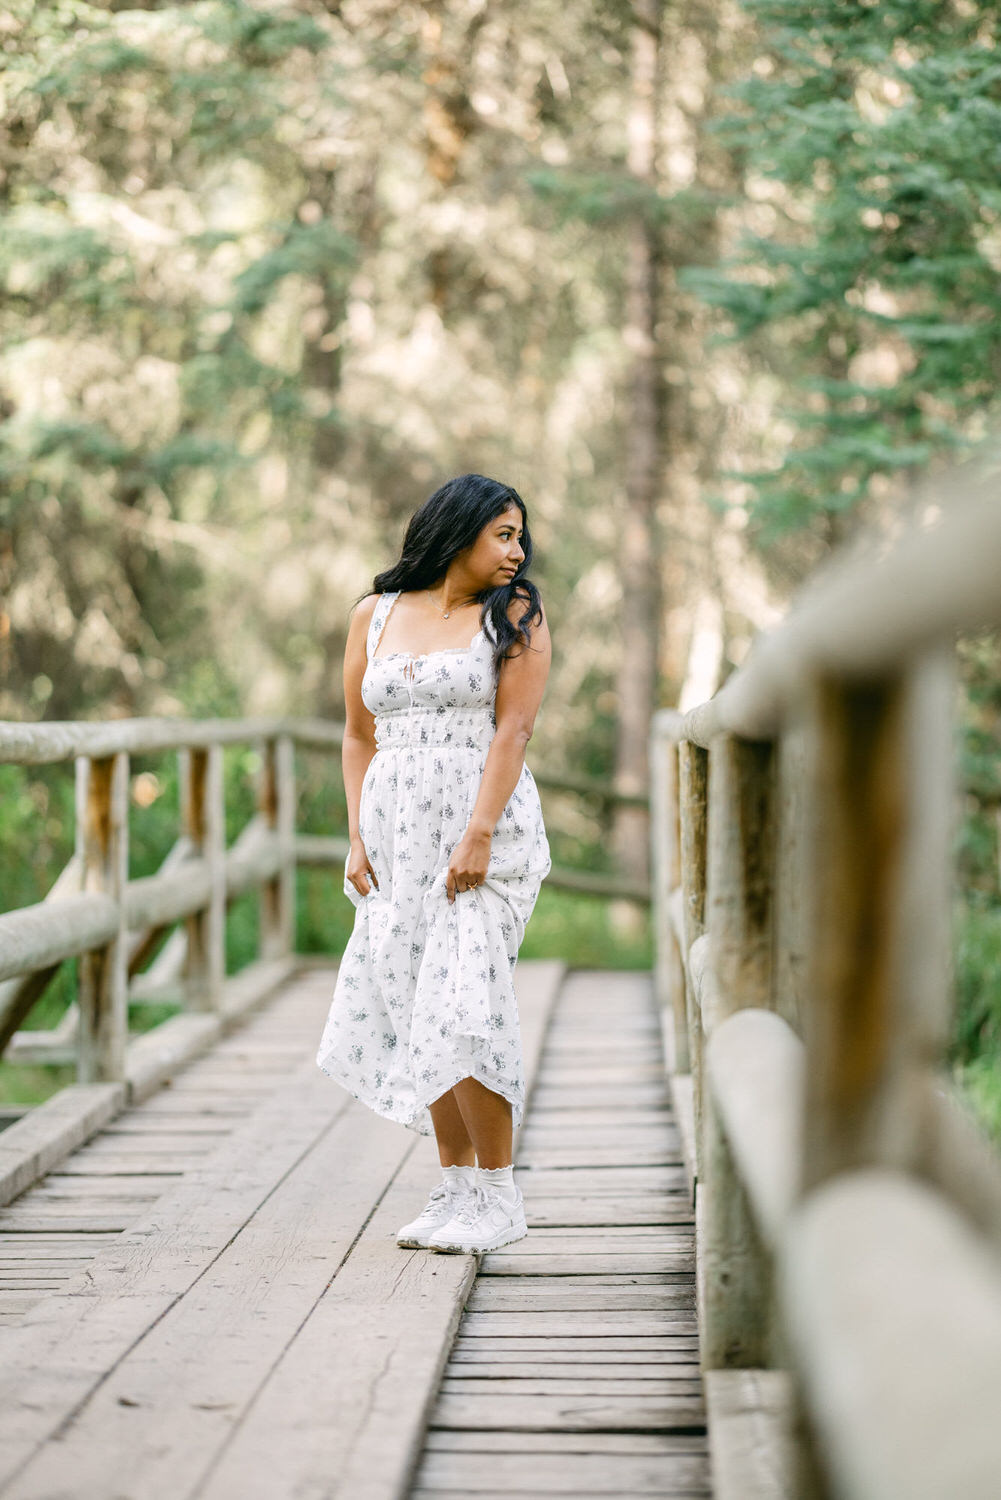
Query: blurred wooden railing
[848,1210]
[111,925]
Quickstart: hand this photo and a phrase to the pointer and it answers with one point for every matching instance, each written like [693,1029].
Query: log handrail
[867,612]
[46,743]
[83,918]
[109,923]
[801,910]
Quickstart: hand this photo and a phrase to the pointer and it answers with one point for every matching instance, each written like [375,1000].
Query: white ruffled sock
[459,1179]
[501,1178]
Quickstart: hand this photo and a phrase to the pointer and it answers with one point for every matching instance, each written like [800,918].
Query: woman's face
[496,555]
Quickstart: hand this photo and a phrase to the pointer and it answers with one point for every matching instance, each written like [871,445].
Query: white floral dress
[425,994]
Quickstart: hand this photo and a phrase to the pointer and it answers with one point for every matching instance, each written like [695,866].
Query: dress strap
[380,615]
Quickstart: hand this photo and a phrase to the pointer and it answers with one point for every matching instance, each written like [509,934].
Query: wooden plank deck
[54,1229]
[238,1319]
[576,1366]
[206,1300]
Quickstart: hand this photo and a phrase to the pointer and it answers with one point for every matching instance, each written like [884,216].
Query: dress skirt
[424,995]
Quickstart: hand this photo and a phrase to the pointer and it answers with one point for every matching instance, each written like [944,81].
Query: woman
[448,850]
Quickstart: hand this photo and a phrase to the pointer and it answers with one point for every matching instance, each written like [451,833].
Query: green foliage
[979,1083]
[152,257]
[880,128]
[36,830]
[317,250]
[578,929]
[976,1041]
[608,198]
[978,994]
[45,255]
[33,1083]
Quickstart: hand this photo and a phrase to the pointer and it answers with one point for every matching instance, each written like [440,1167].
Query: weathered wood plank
[531,1277]
[586,1182]
[420,1493]
[443,1440]
[660,1155]
[51,1269]
[138,1124]
[751,1421]
[70,1188]
[171,1400]
[80,1218]
[139,1142]
[68,1342]
[607,1211]
[39,1140]
[370,1353]
[607,1097]
[582,1238]
[586,1326]
[576,1118]
[558,1296]
[204,1105]
[16,1242]
[549,1383]
[557,1129]
[566,1474]
[15,1304]
[596,1264]
[532,1371]
[506,1325]
[110,1168]
[569,1413]
[611,1075]
[664,1348]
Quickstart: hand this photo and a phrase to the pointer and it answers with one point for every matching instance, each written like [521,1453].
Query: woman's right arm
[358,746]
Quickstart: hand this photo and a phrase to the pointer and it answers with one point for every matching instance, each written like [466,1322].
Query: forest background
[709,283]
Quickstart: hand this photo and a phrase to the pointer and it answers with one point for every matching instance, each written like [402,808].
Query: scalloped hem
[420,1119]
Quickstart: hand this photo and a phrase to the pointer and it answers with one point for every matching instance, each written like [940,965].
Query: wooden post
[791,880]
[693,766]
[740,871]
[665,833]
[102,839]
[276,804]
[878,1013]
[203,824]
[737,1294]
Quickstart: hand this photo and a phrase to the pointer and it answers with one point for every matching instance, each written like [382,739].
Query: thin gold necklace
[443,612]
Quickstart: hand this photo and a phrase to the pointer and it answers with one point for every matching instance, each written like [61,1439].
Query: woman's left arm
[520,686]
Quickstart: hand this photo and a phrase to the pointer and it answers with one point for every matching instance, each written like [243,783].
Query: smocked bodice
[443,697]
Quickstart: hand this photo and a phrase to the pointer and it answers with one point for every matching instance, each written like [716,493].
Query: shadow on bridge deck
[207,1299]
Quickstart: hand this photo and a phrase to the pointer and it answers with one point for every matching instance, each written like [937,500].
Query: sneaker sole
[506,1237]
[412,1244]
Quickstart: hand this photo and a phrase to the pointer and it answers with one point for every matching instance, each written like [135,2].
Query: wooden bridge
[765,1254]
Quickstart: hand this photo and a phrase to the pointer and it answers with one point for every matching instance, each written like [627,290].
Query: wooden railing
[111,925]
[848,1210]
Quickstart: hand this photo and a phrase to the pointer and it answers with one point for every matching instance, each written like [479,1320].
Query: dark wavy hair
[446,524]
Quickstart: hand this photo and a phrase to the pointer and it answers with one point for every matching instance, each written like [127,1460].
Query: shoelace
[438,1195]
[477,1203]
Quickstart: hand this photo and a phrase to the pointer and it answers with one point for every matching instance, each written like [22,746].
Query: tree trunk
[639,551]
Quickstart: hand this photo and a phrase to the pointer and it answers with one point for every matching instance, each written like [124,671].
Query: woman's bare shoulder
[363,611]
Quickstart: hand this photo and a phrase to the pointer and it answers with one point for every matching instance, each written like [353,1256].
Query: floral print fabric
[425,994]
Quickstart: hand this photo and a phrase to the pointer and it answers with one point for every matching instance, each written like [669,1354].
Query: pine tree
[866,277]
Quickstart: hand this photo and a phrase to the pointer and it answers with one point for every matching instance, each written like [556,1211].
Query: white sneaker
[485,1221]
[439,1209]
